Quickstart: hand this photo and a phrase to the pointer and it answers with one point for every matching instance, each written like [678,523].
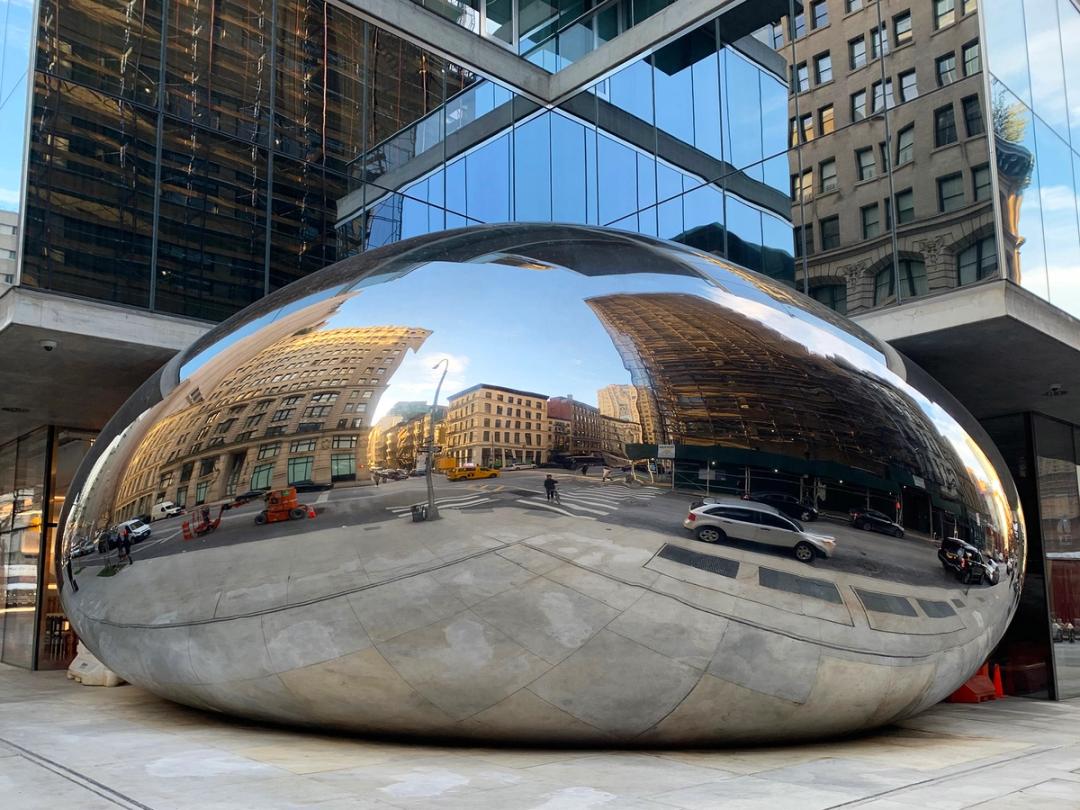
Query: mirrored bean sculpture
[542,482]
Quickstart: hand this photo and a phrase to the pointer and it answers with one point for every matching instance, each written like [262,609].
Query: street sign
[665,451]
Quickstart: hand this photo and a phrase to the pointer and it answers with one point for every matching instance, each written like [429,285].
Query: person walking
[123,539]
[607,474]
[584,469]
[549,488]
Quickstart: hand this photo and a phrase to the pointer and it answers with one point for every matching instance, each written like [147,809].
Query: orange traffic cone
[311,511]
[186,529]
[999,690]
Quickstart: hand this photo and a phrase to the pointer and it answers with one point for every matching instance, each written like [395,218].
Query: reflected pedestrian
[123,539]
[584,469]
[607,474]
[549,488]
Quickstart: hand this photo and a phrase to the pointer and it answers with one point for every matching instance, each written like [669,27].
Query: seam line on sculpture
[77,778]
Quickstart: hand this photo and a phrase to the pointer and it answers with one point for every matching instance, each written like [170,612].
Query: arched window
[834,296]
[977,262]
[912,281]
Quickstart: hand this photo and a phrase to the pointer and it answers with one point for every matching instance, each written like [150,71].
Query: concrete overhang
[102,354]
[996,347]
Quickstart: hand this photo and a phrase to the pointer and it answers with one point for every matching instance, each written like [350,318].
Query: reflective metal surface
[588,614]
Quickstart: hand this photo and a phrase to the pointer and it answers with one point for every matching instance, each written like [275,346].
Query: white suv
[722,518]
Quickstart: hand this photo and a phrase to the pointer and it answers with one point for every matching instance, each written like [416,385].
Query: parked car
[872,520]
[311,486]
[749,520]
[969,564]
[787,505]
[520,466]
[469,473]
[165,509]
[83,547]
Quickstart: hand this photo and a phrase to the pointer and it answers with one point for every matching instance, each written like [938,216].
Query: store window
[834,296]
[261,475]
[300,469]
[977,262]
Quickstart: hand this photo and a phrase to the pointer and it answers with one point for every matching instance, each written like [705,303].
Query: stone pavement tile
[969,788]
[745,761]
[673,629]
[421,779]
[854,775]
[628,773]
[285,793]
[28,786]
[1053,794]
[534,796]
[753,793]
[318,755]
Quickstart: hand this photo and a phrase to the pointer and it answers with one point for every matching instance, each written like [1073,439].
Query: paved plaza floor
[74,747]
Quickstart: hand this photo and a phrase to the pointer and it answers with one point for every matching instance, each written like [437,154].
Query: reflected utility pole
[432,509]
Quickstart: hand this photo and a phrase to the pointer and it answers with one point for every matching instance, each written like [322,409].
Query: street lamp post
[432,509]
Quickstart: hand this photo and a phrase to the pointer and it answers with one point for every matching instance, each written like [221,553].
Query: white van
[165,509]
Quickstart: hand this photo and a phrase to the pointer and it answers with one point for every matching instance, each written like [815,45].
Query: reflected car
[970,565]
[250,495]
[787,505]
[748,520]
[521,466]
[468,473]
[871,520]
[311,486]
[138,529]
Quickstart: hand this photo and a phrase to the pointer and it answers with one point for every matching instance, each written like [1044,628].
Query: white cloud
[416,378]
[9,199]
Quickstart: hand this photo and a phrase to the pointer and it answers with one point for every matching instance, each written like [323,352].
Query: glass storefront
[685,144]
[1035,90]
[35,472]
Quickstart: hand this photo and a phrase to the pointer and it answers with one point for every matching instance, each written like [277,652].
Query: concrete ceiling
[102,355]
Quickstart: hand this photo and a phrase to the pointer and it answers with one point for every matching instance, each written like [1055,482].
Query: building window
[826,120]
[944,12]
[253,420]
[181,496]
[806,124]
[905,206]
[946,69]
[260,476]
[912,281]
[944,126]
[884,150]
[777,35]
[345,442]
[973,119]
[909,86]
[977,262]
[802,77]
[883,95]
[302,446]
[823,68]
[879,42]
[827,168]
[864,162]
[243,437]
[798,25]
[853,5]
[289,401]
[857,53]
[342,467]
[834,296]
[804,240]
[950,192]
[300,469]
[969,6]
[871,221]
[269,450]
[902,28]
[830,233]
[317,411]
[858,106]
[972,60]
[802,185]
[820,13]
[282,414]
[905,145]
[200,492]
[206,466]
[980,178]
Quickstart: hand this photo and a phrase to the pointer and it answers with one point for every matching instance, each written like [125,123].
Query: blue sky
[15,20]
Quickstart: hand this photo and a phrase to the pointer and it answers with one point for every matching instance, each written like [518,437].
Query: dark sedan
[871,520]
[787,505]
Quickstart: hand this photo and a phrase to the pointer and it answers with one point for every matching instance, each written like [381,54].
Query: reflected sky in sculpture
[596,616]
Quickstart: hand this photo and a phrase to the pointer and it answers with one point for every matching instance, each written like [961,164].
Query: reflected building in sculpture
[491,425]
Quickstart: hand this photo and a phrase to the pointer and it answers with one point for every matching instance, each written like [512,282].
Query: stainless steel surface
[593,615]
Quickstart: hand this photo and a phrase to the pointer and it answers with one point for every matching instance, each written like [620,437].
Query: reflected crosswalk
[590,504]
[458,502]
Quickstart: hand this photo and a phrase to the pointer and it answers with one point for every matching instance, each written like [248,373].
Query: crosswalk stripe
[454,505]
[589,500]
[545,505]
[438,501]
[575,506]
